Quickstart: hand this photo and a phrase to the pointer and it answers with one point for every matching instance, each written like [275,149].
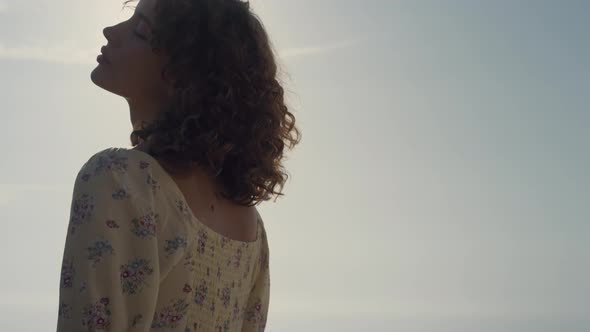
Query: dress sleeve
[112,262]
[256,314]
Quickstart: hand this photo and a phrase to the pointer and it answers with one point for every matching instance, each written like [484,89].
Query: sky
[441,183]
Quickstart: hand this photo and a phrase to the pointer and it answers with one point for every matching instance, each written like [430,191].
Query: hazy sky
[442,174]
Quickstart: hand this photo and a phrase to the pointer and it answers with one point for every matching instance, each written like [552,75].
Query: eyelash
[138,35]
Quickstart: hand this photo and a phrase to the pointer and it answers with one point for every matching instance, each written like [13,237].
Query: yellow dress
[137,259]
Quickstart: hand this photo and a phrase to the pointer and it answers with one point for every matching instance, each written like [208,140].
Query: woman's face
[132,70]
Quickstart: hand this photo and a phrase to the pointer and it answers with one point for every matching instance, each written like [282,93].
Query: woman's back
[138,271]
[232,220]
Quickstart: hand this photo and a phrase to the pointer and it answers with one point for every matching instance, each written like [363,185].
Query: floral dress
[136,258]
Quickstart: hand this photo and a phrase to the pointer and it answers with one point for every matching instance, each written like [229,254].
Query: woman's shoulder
[113,161]
[113,158]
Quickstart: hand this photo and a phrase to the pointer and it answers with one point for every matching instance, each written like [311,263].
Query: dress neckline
[181,196]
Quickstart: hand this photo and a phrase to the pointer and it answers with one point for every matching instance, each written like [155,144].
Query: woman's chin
[99,77]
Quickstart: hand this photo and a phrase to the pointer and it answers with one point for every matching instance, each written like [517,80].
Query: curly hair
[227,114]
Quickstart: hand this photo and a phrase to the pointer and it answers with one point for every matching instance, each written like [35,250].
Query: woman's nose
[107,33]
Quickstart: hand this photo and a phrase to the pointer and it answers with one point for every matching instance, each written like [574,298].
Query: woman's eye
[139,27]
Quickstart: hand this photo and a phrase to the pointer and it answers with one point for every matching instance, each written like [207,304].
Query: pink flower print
[98,250]
[187,288]
[96,316]
[254,313]
[133,275]
[112,224]
[145,226]
[143,164]
[170,315]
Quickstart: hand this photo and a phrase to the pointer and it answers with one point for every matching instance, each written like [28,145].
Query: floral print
[67,274]
[82,208]
[170,315]
[120,194]
[145,226]
[153,183]
[174,244]
[97,316]
[201,293]
[99,249]
[225,296]
[112,224]
[202,241]
[136,259]
[254,312]
[134,275]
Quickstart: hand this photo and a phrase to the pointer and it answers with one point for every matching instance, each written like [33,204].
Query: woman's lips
[103,55]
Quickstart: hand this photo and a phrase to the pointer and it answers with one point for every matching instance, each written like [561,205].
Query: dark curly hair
[227,115]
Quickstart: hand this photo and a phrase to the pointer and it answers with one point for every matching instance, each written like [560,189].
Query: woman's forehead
[146,7]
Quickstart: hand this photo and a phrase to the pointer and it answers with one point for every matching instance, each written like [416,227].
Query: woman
[165,236]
